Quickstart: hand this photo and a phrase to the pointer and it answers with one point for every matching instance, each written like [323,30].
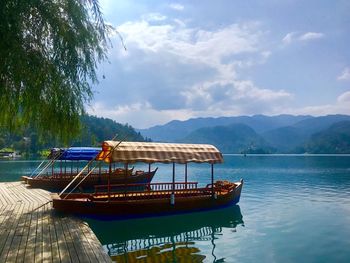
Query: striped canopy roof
[150,152]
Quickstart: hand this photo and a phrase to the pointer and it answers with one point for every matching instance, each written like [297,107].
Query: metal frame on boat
[68,164]
[132,200]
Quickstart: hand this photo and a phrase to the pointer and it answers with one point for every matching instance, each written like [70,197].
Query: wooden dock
[31,231]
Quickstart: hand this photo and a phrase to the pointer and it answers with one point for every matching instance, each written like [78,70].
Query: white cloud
[288,38]
[341,106]
[345,75]
[153,17]
[139,115]
[174,71]
[176,6]
[311,36]
[344,99]
[295,36]
[179,22]
[242,96]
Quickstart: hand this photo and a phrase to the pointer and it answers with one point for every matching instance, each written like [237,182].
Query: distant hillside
[285,139]
[94,131]
[176,130]
[293,138]
[335,139]
[234,138]
[316,124]
[259,133]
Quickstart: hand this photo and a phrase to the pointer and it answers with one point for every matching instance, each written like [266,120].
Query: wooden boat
[159,198]
[58,179]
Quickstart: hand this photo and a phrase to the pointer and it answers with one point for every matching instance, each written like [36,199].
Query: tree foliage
[49,51]
[95,130]
[335,139]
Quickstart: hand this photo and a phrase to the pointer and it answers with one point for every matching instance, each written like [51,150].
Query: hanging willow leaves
[49,51]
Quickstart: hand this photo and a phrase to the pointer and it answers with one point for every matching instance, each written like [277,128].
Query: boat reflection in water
[176,238]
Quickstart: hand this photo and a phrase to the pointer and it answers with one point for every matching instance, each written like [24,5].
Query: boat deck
[30,230]
[141,195]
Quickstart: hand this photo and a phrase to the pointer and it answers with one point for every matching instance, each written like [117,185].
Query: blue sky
[188,59]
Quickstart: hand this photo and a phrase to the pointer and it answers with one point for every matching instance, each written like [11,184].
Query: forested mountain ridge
[287,133]
[238,138]
[94,131]
[292,139]
[335,139]
[175,130]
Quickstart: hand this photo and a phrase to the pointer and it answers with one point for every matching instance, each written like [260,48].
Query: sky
[201,58]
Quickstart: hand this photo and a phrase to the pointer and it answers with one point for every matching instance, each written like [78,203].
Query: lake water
[292,209]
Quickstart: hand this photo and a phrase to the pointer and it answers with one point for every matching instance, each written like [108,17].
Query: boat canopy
[150,152]
[74,153]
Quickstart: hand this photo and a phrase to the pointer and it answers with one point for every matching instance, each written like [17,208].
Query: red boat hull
[60,182]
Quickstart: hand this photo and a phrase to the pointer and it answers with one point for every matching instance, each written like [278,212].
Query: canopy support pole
[99,172]
[172,197]
[125,177]
[149,177]
[212,181]
[85,175]
[109,180]
[52,168]
[185,175]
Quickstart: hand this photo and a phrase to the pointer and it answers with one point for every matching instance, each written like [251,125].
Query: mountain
[290,138]
[316,124]
[285,139]
[234,138]
[176,130]
[96,130]
[335,139]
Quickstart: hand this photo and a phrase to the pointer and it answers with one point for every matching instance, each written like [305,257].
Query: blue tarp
[74,153]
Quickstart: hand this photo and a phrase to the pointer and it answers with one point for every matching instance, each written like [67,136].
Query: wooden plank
[31,232]
[25,233]
[29,197]
[47,249]
[11,232]
[2,200]
[38,252]
[55,254]
[30,248]
[5,195]
[62,245]
[15,245]
[70,243]
[4,230]
[100,254]
[84,253]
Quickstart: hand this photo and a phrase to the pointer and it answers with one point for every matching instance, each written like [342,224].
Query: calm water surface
[292,209]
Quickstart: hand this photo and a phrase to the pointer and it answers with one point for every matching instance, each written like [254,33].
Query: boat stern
[237,191]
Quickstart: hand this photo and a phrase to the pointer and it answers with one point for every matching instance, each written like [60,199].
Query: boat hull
[59,183]
[129,208]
